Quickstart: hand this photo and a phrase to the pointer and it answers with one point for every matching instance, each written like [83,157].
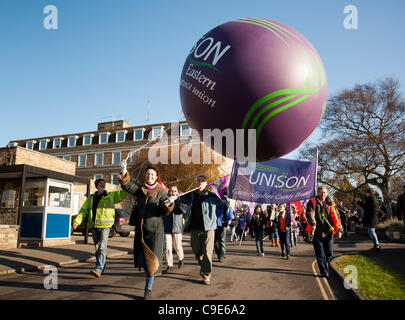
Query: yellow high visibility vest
[105,212]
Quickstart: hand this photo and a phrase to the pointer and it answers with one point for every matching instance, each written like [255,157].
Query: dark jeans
[323,251]
[259,241]
[284,241]
[304,231]
[219,242]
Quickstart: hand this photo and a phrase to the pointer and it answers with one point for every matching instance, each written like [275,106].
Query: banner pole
[316,172]
[241,236]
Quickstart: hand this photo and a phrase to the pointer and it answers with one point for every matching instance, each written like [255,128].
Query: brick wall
[45,161]
[8,237]
[19,155]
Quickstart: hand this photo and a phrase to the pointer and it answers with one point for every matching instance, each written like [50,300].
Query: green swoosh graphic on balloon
[313,69]
[308,59]
[272,95]
[306,83]
[275,26]
[263,23]
[264,26]
[268,107]
[322,71]
[273,113]
[204,64]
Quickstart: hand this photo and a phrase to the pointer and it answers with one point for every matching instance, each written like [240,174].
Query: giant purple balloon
[258,74]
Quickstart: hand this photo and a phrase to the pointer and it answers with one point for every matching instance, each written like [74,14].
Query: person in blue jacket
[201,221]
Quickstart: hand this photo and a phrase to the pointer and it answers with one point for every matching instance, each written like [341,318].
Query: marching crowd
[276,223]
[160,217]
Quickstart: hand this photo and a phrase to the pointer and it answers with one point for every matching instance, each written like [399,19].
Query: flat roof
[15,171]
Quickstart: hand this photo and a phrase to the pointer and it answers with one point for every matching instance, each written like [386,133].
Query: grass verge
[374,280]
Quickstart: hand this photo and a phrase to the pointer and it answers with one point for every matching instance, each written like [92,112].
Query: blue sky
[109,56]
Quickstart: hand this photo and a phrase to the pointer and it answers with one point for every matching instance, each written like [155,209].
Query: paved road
[242,276]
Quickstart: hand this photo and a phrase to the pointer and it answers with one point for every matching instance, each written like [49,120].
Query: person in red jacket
[322,217]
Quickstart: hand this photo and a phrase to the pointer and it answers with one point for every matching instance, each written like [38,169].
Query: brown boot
[278,242]
[95,273]
[273,243]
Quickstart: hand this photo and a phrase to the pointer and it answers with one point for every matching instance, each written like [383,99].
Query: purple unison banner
[274,181]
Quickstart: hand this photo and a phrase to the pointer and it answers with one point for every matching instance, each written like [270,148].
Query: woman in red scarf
[147,218]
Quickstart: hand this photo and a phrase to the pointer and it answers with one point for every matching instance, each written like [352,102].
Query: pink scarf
[150,187]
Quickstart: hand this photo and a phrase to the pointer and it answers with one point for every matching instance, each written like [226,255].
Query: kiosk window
[34,193]
[59,197]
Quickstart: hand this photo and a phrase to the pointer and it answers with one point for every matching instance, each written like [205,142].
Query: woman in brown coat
[147,218]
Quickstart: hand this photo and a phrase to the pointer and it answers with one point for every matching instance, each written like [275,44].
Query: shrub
[392,225]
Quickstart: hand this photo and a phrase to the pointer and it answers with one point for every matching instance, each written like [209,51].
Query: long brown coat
[147,218]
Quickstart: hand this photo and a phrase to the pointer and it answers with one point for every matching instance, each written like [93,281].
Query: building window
[57,143]
[12,144]
[72,141]
[43,144]
[88,139]
[114,179]
[103,138]
[185,130]
[116,157]
[30,145]
[157,132]
[82,160]
[99,159]
[98,176]
[66,158]
[138,134]
[121,135]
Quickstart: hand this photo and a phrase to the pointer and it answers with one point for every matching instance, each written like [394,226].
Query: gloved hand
[171,199]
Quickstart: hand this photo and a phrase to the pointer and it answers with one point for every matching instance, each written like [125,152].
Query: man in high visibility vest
[322,217]
[100,213]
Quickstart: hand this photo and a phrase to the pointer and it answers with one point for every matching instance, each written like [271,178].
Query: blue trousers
[149,278]
[323,251]
[100,239]
[233,233]
[373,236]
[259,241]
